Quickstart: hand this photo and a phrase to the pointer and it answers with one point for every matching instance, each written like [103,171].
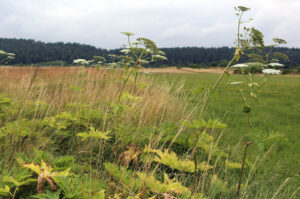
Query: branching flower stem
[136,72]
[222,75]
[137,63]
[127,78]
[123,86]
[4,60]
[236,56]
[239,27]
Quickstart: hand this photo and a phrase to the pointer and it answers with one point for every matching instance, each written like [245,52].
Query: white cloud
[168,22]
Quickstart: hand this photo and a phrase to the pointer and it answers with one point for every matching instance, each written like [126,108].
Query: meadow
[278,109]
[66,133]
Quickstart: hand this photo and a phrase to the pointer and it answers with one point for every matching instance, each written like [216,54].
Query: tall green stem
[222,75]
[135,78]
[239,26]
[206,97]
[127,78]
[123,86]
[136,73]
[243,167]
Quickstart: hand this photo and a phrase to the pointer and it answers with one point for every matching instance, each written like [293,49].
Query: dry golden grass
[60,86]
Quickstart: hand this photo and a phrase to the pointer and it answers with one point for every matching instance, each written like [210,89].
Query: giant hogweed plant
[251,41]
[138,53]
[134,56]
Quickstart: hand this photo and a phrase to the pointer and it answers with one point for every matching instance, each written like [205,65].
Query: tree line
[29,51]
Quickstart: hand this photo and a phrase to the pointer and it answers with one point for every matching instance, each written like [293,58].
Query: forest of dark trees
[34,52]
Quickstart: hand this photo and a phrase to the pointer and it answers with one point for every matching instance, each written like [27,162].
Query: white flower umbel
[276,65]
[233,83]
[79,61]
[135,43]
[148,50]
[270,71]
[239,66]
[159,57]
[125,51]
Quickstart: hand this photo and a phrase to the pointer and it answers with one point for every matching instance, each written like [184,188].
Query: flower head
[135,43]
[279,41]
[233,83]
[149,50]
[239,66]
[81,61]
[243,9]
[270,71]
[10,54]
[159,57]
[77,61]
[276,65]
[127,33]
[125,51]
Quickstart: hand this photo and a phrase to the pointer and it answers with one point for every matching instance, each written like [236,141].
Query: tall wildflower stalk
[238,53]
[137,53]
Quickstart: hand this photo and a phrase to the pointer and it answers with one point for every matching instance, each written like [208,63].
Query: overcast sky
[170,23]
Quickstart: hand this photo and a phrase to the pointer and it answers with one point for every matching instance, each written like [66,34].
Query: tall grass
[132,147]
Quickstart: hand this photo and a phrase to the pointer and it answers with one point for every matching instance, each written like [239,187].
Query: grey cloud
[168,22]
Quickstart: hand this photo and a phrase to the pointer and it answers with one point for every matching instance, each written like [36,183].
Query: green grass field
[92,139]
[278,109]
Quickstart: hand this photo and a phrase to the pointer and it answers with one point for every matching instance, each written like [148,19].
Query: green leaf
[45,169]
[4,191]
[70,185]
[169,185]
[124,175]
[233,165]
[171,160]
[195,124]
[9,179]
[148,44]
[48,195]
[93,133]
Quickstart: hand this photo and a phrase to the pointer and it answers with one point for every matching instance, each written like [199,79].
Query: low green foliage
[171,160]
[93,133]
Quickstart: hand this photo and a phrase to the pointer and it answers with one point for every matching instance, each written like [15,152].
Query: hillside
[32,52]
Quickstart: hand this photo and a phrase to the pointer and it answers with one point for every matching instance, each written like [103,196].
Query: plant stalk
[243,167]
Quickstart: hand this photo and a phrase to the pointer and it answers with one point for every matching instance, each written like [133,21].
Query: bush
[194,66]
[286,71]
